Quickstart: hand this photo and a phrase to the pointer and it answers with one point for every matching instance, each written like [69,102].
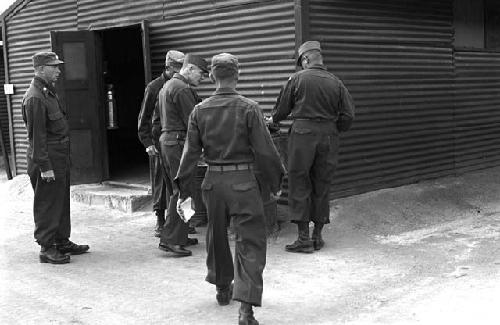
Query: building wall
[27,31]
[260,32]
[4,114]
[477,110]
[396,58]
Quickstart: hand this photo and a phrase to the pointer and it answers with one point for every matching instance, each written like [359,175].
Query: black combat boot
[303,244]
[317,239]
[224,294]
[49,254]
[246,315]
[160,222]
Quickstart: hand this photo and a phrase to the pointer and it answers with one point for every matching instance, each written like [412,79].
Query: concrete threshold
[125,197]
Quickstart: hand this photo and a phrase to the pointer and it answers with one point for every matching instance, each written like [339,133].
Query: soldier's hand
[48,176]
[276,195]
[151,150]
[269,120]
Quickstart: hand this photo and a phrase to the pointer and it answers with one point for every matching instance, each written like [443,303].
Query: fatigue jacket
[45,121]
[148,120]
[231,130]
[313,94]
[176,101]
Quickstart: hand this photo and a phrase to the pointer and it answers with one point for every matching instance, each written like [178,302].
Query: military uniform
[149,130]
[176,100]
[230,130]
[320,106]
[48,149]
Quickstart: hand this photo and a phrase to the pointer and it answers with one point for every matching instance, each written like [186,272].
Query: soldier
[321,107]
[48,162]
[176,100]
[231,131]
[149,130]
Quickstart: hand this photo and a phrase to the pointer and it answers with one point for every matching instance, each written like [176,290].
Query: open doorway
[123,72]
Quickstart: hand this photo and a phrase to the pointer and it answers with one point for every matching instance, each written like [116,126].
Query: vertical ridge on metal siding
[395,57]
[4,115]
[28,32]
[477,114]
[92,12]
[261,35]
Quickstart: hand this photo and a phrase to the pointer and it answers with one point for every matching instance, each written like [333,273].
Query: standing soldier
[149,130]
[176,100]
[321,107]
[48,162]
[230,130]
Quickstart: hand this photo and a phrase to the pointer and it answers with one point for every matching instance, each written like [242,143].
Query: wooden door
[80,90]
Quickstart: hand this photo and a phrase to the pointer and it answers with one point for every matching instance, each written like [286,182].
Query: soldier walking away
[49,162]
[321,107]
[149,131]
[231,132]
[176,100]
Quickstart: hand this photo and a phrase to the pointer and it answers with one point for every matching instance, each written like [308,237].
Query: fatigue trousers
[51,202]
[175,231]
[161,183]
[235,195]
[312,159]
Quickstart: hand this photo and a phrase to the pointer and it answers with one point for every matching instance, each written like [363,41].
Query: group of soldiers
[229,132]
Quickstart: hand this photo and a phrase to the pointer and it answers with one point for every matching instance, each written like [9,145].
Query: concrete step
[121,196]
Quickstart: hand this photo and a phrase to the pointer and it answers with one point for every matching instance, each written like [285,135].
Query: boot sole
[300,250]
[173,253]
[44,259]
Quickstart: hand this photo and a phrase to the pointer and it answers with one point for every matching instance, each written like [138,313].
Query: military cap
[197,61]
[174,57]
[45,58]
[225,60]
[306,47]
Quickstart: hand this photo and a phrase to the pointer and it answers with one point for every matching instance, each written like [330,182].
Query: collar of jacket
[225,91]
[180,77]
[44,86]
[317,66]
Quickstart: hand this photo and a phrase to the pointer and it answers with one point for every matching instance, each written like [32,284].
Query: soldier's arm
[36,115]
[190,156]
[185,100]
[144,130]
[267,158]
[346,115]
[285,101]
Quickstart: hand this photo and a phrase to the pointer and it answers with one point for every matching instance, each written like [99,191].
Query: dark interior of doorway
[124,70]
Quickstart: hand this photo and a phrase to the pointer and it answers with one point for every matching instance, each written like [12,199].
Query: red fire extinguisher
[111,108]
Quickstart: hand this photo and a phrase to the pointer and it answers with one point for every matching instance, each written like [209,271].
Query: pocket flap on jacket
[242,187]
[55,116]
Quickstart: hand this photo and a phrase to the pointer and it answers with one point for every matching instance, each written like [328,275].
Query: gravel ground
[426,253]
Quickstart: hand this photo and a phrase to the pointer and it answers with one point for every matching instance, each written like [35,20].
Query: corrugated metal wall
[4,114]
[477,115]
[396,58]
[261,34]
[27,32]
[98,13]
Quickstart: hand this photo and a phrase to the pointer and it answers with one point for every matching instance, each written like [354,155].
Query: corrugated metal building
[426,91]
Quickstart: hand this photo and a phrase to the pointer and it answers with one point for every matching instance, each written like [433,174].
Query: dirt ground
[427,253]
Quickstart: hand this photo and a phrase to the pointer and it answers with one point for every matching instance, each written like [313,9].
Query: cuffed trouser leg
[175,230]
[51,202]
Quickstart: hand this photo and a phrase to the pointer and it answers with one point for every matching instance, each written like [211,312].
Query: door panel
[80,91]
